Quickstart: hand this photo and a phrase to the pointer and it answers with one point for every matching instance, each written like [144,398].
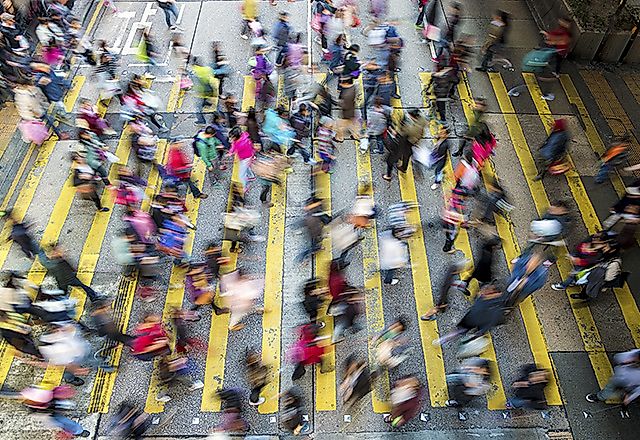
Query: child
[326,148]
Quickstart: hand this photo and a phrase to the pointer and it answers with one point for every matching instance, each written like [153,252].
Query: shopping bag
[316,22]
[185,83]
[34,131]
[431,32]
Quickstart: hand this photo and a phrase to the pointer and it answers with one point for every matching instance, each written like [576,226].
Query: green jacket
[207,148]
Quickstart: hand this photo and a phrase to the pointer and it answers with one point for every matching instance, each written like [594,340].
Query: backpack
[194,143]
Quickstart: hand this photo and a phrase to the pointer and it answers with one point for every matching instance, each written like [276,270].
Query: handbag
[431,32]
[316,22]
[34,131]
[355,21]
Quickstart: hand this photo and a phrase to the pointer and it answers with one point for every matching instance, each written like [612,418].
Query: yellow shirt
[249,9]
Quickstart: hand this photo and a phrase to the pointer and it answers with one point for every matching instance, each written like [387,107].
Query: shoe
[203,196]
[556,75]
[394,281]
[457,153]
[321,325]
[260,401]
[592,397]
[395,96]
[435,186]
[163,399]
[76,382]
[579,296]
[378,151]
[537,178]
[430,315]
[149,76]
[164,129]
[244,37]
[200,122]
[387,178]
[84,433]
[103,209]
[482,69]
[557,286]
[221,311]
[222,167]
[447,250]
[548,96]
[452,403]
[312,162]
[305,428]
[198,384]
[236,327]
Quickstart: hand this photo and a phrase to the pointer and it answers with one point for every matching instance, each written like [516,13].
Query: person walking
[495,39]
[348,121]
[179,167]
[207,87]
[170,9]
[242,148]
[210,150]
[66,276]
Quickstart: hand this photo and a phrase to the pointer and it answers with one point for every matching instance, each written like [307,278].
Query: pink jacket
[243,147]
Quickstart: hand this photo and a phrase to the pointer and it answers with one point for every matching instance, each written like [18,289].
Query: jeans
[66,424]
[603,173]
[487,58]
[169,9]
[430,13]
[299,148]
[438,170]
[194,188]
[91,294]
[377,143]
[48,120]
[244,172]
[202,102]
[611,390]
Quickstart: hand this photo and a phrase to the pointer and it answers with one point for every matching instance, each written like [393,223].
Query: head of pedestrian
[7,19]
[480,104]
[283,16]
[326,121]
[565,22]
[281,111]
[209,132]
[559,124]
[443,132]
[354,48]
[235,133]
[346,82]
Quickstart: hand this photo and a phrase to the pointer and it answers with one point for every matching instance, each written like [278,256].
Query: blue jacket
[54,91]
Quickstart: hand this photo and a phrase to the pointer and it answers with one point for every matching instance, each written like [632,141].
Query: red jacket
[178,164]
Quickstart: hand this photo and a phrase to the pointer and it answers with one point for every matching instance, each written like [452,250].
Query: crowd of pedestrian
[263,142]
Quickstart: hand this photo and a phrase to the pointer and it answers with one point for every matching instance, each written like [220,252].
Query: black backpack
[194,143]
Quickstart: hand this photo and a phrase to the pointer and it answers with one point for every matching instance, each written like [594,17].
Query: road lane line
[325,386]
[590,129]
[612,109]
[420,274]
[496,399]
[584,320]
[274,271]
[511,249]
[371,273]
[219,330]
[104,382]
[625,299]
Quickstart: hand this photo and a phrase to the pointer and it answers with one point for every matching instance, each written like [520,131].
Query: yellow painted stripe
[511,248]
[612,109]
[94,17]
[10,119]
[433,359]
[274,269]
[104,383]
[586,325]
[175,292]
[92,246]
[371,273]
[372,287]
[325,382]
[590,129]
[219,331]
[625,299]
[496,399]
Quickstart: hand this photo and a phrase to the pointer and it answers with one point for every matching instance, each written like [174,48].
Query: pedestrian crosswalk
[214,370]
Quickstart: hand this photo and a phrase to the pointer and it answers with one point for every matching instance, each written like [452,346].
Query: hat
[6,16]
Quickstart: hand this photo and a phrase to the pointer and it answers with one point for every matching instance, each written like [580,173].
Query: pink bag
[316,22]
[185,83]
[431,32]
[52,56]
[34,131]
